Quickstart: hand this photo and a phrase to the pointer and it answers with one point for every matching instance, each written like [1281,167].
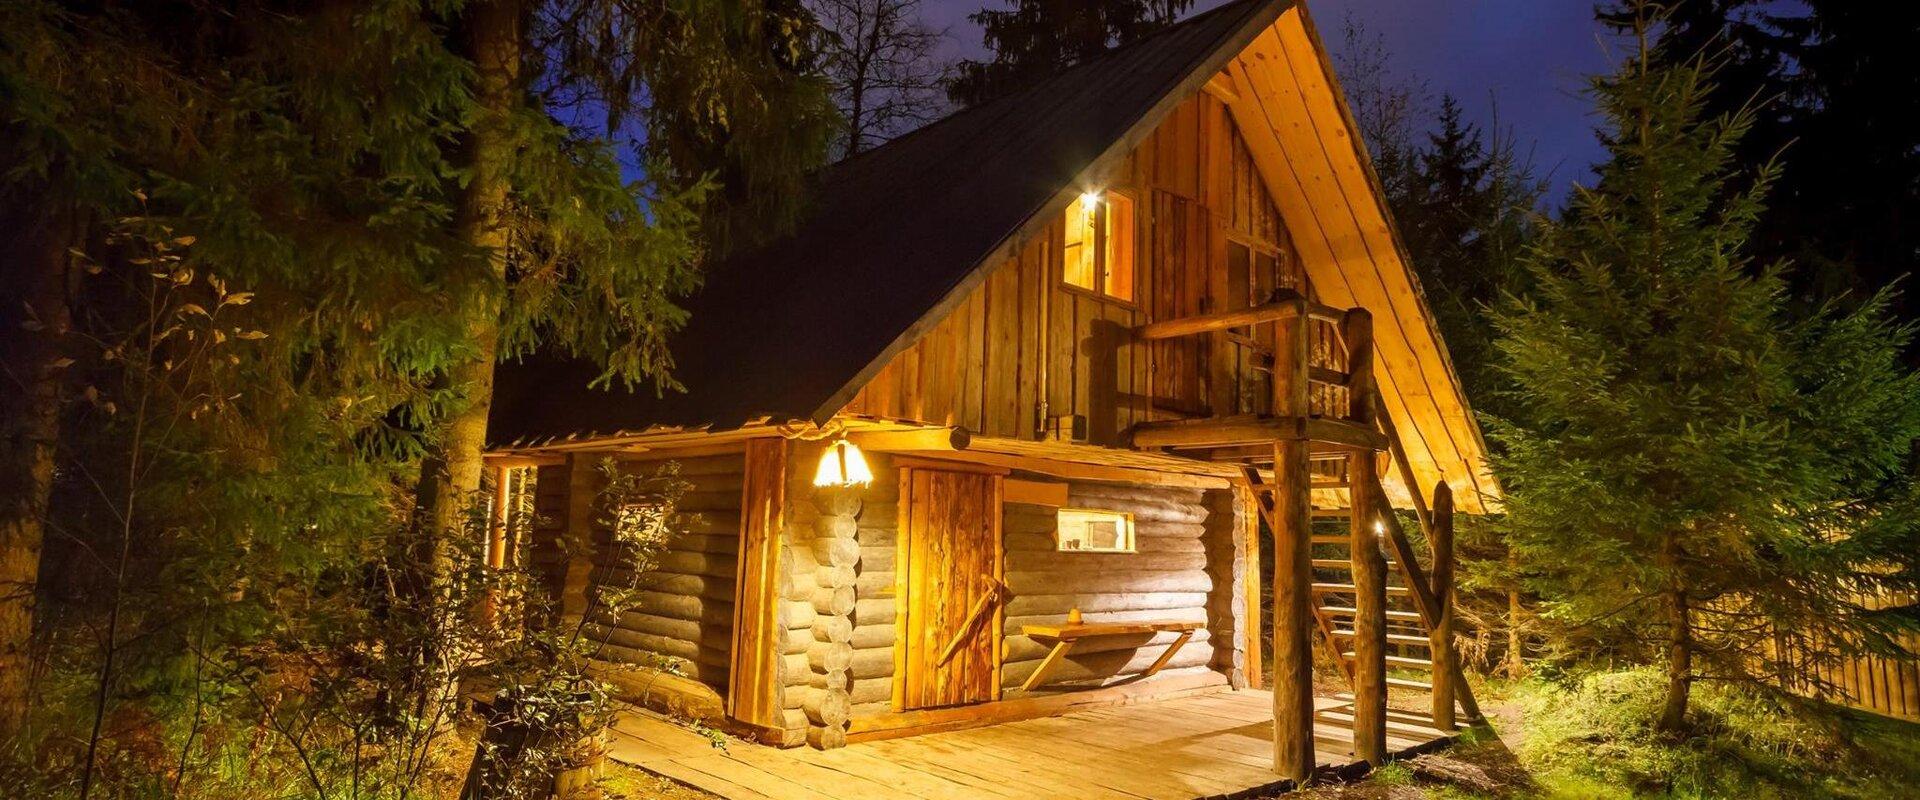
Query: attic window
[1098,246]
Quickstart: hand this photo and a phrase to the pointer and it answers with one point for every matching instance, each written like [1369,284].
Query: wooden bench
[1064,635]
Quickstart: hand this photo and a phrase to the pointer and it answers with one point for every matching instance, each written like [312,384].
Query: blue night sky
[1526,58]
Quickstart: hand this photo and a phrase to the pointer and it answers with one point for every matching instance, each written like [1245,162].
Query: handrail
[1421,587]
[1286,305]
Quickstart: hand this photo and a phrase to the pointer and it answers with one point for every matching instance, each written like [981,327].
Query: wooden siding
[686,603]
[1023,338]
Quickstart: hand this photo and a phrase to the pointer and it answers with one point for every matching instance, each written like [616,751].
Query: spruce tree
[1688,467]
[1037,38]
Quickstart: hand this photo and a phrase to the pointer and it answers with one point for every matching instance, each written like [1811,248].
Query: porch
[1211,744]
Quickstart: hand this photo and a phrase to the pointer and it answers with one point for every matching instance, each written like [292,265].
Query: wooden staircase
[1409,596]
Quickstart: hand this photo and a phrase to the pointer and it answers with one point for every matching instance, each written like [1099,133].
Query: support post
[1369,563]
[1292,522]
[1446,663]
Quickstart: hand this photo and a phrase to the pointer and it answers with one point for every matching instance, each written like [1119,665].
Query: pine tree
[1037,38]
[1689,468]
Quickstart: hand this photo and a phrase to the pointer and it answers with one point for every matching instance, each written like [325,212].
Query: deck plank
[1216,743]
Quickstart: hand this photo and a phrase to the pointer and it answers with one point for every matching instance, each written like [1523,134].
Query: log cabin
[999,429]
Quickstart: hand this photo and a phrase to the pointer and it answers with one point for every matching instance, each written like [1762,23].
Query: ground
[1581,739]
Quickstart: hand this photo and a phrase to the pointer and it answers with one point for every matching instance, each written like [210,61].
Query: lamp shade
[842,465]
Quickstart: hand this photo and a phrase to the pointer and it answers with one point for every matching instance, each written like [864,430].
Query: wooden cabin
[1088,340]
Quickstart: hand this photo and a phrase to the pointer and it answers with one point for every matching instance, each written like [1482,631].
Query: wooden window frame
[1128,531]
[1099,244]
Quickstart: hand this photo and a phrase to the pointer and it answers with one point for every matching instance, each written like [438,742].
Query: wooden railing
[1329,353]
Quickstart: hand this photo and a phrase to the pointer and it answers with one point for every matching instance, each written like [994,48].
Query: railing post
[1293,751]
[1445,662]
[1369,564]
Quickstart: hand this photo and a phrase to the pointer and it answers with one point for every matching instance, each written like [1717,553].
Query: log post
[1446,663]
[1368,562]
[583,486]
[1292,523]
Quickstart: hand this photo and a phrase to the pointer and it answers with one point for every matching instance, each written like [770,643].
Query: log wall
[685,609]
[1183,569]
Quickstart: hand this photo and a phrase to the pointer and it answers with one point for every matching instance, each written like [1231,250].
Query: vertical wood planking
[753,692]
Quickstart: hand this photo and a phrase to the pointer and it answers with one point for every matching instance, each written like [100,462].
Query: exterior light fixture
[842,466]
[1089,201]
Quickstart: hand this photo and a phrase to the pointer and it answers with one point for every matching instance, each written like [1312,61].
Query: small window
[1098,245]
[1091,531]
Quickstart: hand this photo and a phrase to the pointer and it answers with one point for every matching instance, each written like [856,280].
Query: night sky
[1527,59]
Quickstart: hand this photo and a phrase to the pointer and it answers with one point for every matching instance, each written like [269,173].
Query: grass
[1591,738]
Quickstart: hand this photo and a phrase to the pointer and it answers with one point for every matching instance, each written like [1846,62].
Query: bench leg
[1047,664]
[1172,648]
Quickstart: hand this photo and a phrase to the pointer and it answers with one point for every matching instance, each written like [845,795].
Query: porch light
[1089,201]
[842,466]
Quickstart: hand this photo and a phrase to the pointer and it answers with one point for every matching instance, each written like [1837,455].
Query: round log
[1027,561]
[795,671]
[872,636]
[714,675]
[876,583]
[1136,581]
[875,662]
[835,527]
[795,641]
[823,738]
[829,708]
[836,551]
[870,690]
[834,601]
[832,629]
[877,611]
[661,645]
[1030,604]
[829,657]
[795,615]
[833,577]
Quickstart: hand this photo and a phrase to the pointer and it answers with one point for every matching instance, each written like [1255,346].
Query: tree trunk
[450,472]
[36,318]
[1673,712]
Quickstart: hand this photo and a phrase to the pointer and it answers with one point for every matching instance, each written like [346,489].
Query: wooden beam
[1221,86]
[912,441]
[1446,661]
[1216,432]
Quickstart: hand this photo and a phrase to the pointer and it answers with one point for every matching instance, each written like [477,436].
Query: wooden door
[950,573]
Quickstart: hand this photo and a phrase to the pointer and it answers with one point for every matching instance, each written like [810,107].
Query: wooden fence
[1886,686]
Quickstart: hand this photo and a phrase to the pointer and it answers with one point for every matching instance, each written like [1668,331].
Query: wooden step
[1392,615]
[1397,661]
[1404,683]
[1348,588]
[1407,730]
[1413,717]
[1396,638]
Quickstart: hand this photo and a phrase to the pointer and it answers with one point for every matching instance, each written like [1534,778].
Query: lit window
[1098,245]
[1092,531]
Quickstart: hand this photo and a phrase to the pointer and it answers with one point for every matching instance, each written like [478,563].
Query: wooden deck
[1210,745]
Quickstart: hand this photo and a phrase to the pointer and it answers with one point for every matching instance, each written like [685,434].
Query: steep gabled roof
[791,330]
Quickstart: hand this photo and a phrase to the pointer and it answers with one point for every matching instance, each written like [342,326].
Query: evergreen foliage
[1689,468]
[1036,38]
